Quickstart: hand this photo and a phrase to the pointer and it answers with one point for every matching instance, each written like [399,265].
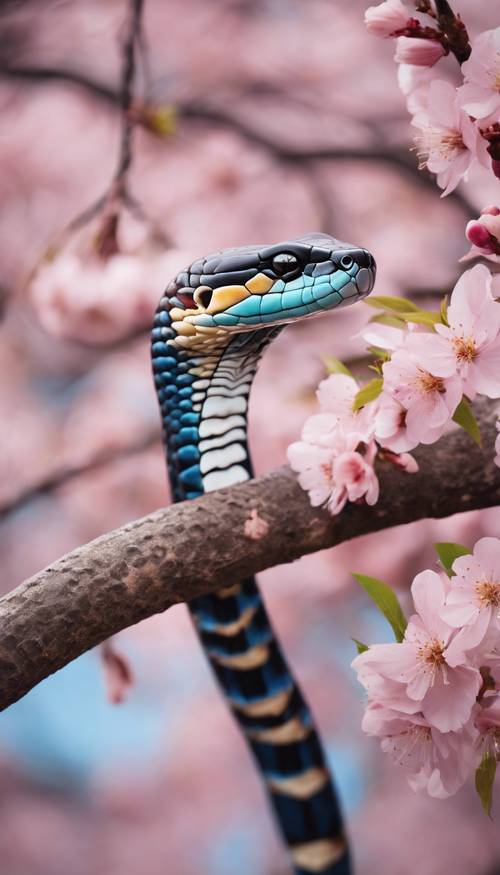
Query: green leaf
[368,393]
[422,317]
[443,310]
[448,552]
[464,416]
[360,647]
[388,319]
[335,366]
[379,353]
[390,302]
[386,601]
[485,776]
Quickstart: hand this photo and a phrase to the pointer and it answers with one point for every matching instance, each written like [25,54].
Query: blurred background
[259,120]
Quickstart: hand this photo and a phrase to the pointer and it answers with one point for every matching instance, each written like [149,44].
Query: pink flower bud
[419,52]
[484,233]
[387,18]
[479,235]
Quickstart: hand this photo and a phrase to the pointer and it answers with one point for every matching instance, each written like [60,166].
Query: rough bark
[190,549]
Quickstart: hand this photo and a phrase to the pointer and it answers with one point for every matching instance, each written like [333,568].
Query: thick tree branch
[192,548]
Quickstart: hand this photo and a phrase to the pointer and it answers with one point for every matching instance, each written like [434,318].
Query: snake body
[211,327]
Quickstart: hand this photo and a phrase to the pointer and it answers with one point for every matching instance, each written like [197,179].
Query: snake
[211,327]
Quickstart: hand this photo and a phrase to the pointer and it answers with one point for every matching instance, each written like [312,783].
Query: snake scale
[211,328]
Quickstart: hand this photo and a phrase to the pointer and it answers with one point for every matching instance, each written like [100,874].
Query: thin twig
[126,93]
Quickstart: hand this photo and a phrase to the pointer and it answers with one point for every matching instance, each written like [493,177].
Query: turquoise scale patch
[244,308]
[270,303]
[295,284]
[225,319]
[333,298]
[308,296]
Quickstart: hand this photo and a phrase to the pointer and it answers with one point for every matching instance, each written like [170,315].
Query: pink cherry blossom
[414,82]
[428,396]
[418,52]
[473,602]
[387,18]
[353,478]
[480,94]
[449,141]
[472,338]
[445,693]
[390,425]
[336,474]
[487,722]
[314,467]
[383,336]
[437,762]
[336,397]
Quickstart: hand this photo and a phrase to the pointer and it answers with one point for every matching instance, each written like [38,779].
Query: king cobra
[210,330]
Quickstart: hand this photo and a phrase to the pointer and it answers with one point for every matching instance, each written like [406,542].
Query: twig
[454,30]
[132,42]
[192,548]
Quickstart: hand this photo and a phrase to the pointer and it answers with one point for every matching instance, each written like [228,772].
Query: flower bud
[387,18]
[484,232]
[418,52]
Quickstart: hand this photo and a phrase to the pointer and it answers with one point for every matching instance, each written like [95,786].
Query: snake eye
[284,264]
[346,262]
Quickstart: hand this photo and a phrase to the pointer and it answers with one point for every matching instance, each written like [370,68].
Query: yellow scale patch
[316,856]
[302,786]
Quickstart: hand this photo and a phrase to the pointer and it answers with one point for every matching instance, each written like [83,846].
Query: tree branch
[184,551]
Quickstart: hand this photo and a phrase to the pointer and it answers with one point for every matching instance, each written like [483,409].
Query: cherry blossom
[418,52]
[428,396]
[470,344]
[336,397]
[336,474]
[387,18]
[437,762]
[353,478]
[480,94]
[414,82]
[98,301]
[487,722]
[473,602]
[446,693]
[449,141]
[390,425]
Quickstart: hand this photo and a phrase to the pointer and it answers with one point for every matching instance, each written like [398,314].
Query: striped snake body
[211,327]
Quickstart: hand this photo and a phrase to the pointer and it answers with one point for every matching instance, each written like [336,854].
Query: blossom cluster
[429,366]
[433,696]
[100,283]
[458,123]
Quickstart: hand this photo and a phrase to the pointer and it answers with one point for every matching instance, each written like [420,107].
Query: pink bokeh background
[163,783]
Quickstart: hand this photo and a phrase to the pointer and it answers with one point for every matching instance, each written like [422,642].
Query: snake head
[252,287]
